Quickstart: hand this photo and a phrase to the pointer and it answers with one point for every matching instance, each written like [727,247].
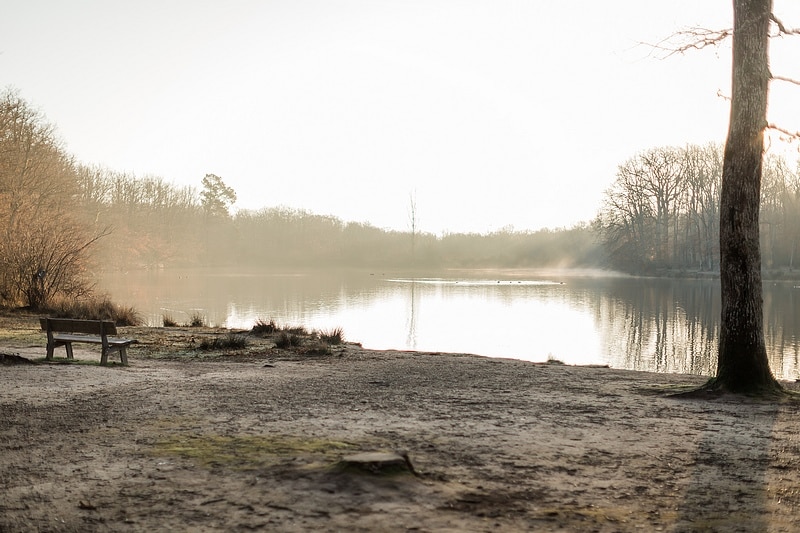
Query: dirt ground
[183,440]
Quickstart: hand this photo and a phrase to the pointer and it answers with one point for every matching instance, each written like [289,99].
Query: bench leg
[68,347]
[123,355]
[50,350]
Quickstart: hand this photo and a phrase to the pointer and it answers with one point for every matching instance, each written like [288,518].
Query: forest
[62,219]
[661,212]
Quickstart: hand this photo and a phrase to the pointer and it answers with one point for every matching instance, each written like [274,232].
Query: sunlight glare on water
[489,317]
[484,317]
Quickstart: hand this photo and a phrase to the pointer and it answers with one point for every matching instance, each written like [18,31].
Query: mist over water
[574,317]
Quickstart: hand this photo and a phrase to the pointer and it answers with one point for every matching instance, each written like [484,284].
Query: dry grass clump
[305,342]
[316,347]
[333,337]
[96,309]
[231,341]
[271,327]
[196,320]
[286,340]
[264,328]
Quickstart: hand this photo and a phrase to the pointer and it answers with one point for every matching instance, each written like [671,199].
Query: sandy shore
[251,441]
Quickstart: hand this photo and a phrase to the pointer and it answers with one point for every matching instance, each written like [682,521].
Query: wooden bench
[65,331]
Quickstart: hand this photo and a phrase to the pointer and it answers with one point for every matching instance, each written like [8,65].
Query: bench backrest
[74,325]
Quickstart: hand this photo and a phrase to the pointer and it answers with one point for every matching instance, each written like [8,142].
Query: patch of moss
[245,452]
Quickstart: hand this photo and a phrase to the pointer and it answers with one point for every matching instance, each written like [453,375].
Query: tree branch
[782,29]
[692,39]
[699,38]
[791,135]
[784,78]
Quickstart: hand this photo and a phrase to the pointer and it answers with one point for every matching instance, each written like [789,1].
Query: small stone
[380,463]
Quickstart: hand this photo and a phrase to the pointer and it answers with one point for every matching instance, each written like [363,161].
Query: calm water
[639,324]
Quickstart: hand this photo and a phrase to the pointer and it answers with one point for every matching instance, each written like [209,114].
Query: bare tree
[772,217]
[414,222]
[703,167]
[663,181]
[627,217]
[645,207]
[791,216]
[743,365]
[43,247]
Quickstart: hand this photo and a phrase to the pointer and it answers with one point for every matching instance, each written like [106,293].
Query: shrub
[169,322]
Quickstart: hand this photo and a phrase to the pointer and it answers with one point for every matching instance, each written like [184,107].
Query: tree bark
[743,366]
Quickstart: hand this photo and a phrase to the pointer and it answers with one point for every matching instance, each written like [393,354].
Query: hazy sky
[492,112]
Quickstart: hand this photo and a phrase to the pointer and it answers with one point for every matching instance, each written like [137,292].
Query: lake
[661,325]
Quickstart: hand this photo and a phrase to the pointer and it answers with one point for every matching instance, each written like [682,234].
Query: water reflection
[413,303]
[782,327]
[642,324]
[662,325]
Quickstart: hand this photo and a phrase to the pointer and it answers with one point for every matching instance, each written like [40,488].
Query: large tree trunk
[743,365]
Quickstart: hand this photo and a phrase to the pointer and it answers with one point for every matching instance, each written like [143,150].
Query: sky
[485,114]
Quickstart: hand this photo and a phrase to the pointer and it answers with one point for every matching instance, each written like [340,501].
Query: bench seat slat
[117,341]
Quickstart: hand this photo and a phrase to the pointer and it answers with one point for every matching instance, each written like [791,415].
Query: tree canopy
[216,197]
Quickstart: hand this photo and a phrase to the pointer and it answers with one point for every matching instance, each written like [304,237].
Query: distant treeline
[662,212]
[156,224]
